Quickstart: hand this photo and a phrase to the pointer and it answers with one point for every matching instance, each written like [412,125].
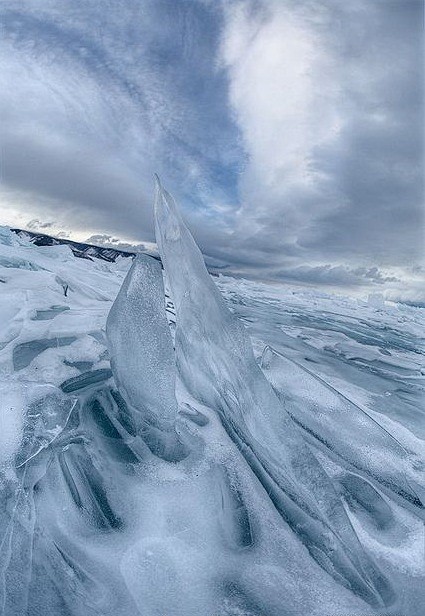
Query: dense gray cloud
[337,275]
[336,142]
[290,131]
[37,225]
[96,98]
[108,241]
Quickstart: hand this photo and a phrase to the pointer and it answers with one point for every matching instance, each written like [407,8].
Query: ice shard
[217,365]
[342,429]
[140,344]
[142,356]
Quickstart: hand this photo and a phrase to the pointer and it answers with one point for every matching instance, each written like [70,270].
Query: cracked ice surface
[204,479]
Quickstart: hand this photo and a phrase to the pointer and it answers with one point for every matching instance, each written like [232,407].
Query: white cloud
[286,102]
[329,100]
[287,129]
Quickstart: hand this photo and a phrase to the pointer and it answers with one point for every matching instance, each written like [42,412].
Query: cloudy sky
[291,132]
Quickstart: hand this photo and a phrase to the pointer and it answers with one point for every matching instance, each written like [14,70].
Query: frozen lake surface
[214,447]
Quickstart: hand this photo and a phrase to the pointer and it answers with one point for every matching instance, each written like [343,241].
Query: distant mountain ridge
[80,249]
[88,251]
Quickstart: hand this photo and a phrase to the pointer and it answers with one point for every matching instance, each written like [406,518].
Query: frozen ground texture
[248,449]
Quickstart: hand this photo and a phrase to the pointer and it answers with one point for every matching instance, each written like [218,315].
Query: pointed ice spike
[217,365]
[139,339]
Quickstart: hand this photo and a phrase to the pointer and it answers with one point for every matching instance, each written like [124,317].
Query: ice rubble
[329,420]
[186,484]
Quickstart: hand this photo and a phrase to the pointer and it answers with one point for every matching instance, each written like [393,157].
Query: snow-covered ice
[226,448]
